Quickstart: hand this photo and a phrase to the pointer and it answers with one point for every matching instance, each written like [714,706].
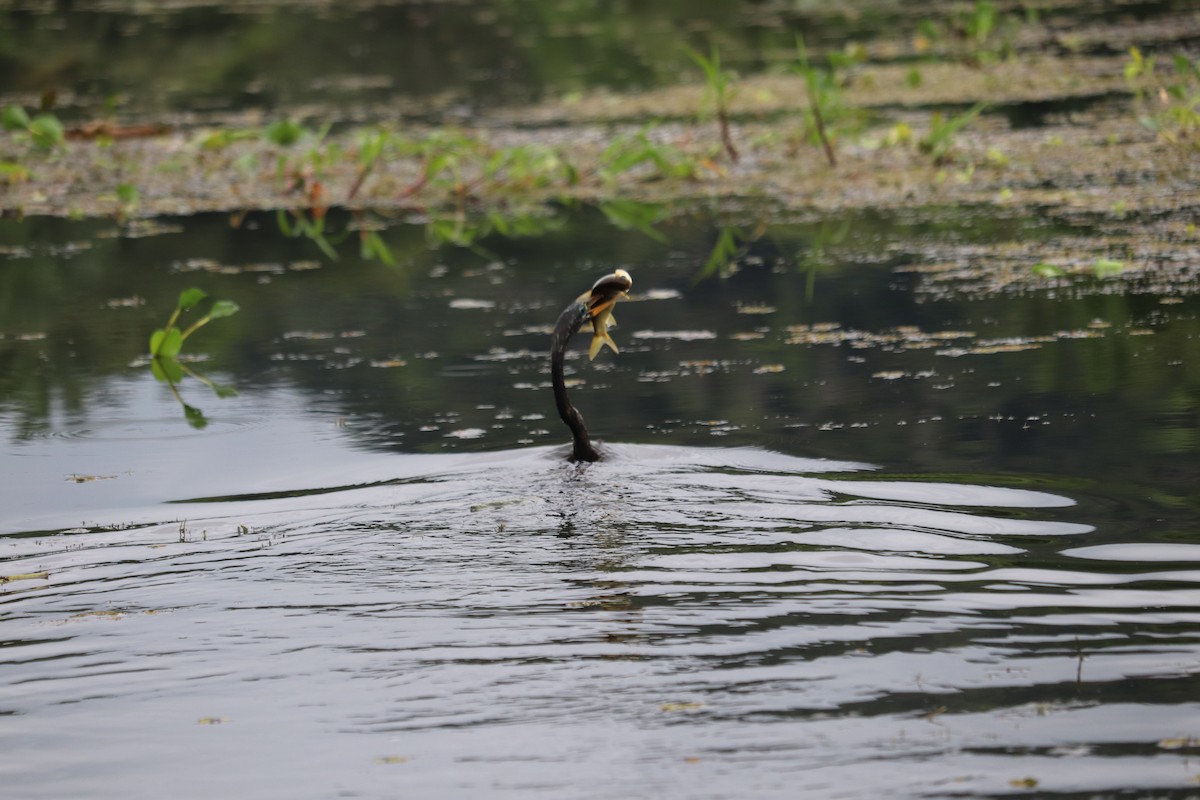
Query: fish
[600,300]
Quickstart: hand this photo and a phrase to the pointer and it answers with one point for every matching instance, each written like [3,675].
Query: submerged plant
[718,94]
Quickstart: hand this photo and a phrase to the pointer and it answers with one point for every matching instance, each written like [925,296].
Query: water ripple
[734,621]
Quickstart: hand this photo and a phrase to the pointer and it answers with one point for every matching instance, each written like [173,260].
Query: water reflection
[447,350]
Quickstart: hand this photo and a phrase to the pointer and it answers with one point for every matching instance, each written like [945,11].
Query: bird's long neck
[568,323]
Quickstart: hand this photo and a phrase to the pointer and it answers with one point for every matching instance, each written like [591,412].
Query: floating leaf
[674,707]
[392,760]
[27,576]
[1179,743]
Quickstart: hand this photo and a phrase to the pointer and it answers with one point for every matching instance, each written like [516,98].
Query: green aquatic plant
[939,142]
[166,343]
[128,197]
[631,151]
[525,168]
[824,96]
[978,34]
[719,91]
[43,131]
[1167,103]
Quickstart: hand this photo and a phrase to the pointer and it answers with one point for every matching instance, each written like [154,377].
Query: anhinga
[595,305]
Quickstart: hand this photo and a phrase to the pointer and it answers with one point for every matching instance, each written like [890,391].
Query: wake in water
[722,622]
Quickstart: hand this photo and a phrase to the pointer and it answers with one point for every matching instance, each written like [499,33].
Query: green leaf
[1044,269]
[127,193]
[47,131]
[11,172]
[223,308]
[195,417]
[189,298]
[166,343]
[1106,267]
[224,391]
[285,132]
[14,118]
[167,370]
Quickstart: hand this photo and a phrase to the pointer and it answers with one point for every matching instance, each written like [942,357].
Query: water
[842,546]
[718,622]
[881,515]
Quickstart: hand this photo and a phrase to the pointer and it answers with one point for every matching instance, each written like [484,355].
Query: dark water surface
[861,537]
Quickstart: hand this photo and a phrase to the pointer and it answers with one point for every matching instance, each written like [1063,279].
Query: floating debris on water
[470,304]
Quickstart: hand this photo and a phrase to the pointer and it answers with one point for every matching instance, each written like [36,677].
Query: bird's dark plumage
[595,305]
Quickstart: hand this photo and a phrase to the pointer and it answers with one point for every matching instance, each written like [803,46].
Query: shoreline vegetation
[1111,138]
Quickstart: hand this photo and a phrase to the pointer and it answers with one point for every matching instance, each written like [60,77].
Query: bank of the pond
[1073,131]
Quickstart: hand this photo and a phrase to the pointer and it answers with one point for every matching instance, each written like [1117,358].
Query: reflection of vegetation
[817,256]
[634,215]
[462,230]
[732,244]
[167,342]
[719,90]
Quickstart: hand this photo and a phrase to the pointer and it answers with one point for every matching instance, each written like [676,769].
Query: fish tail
[598,342]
